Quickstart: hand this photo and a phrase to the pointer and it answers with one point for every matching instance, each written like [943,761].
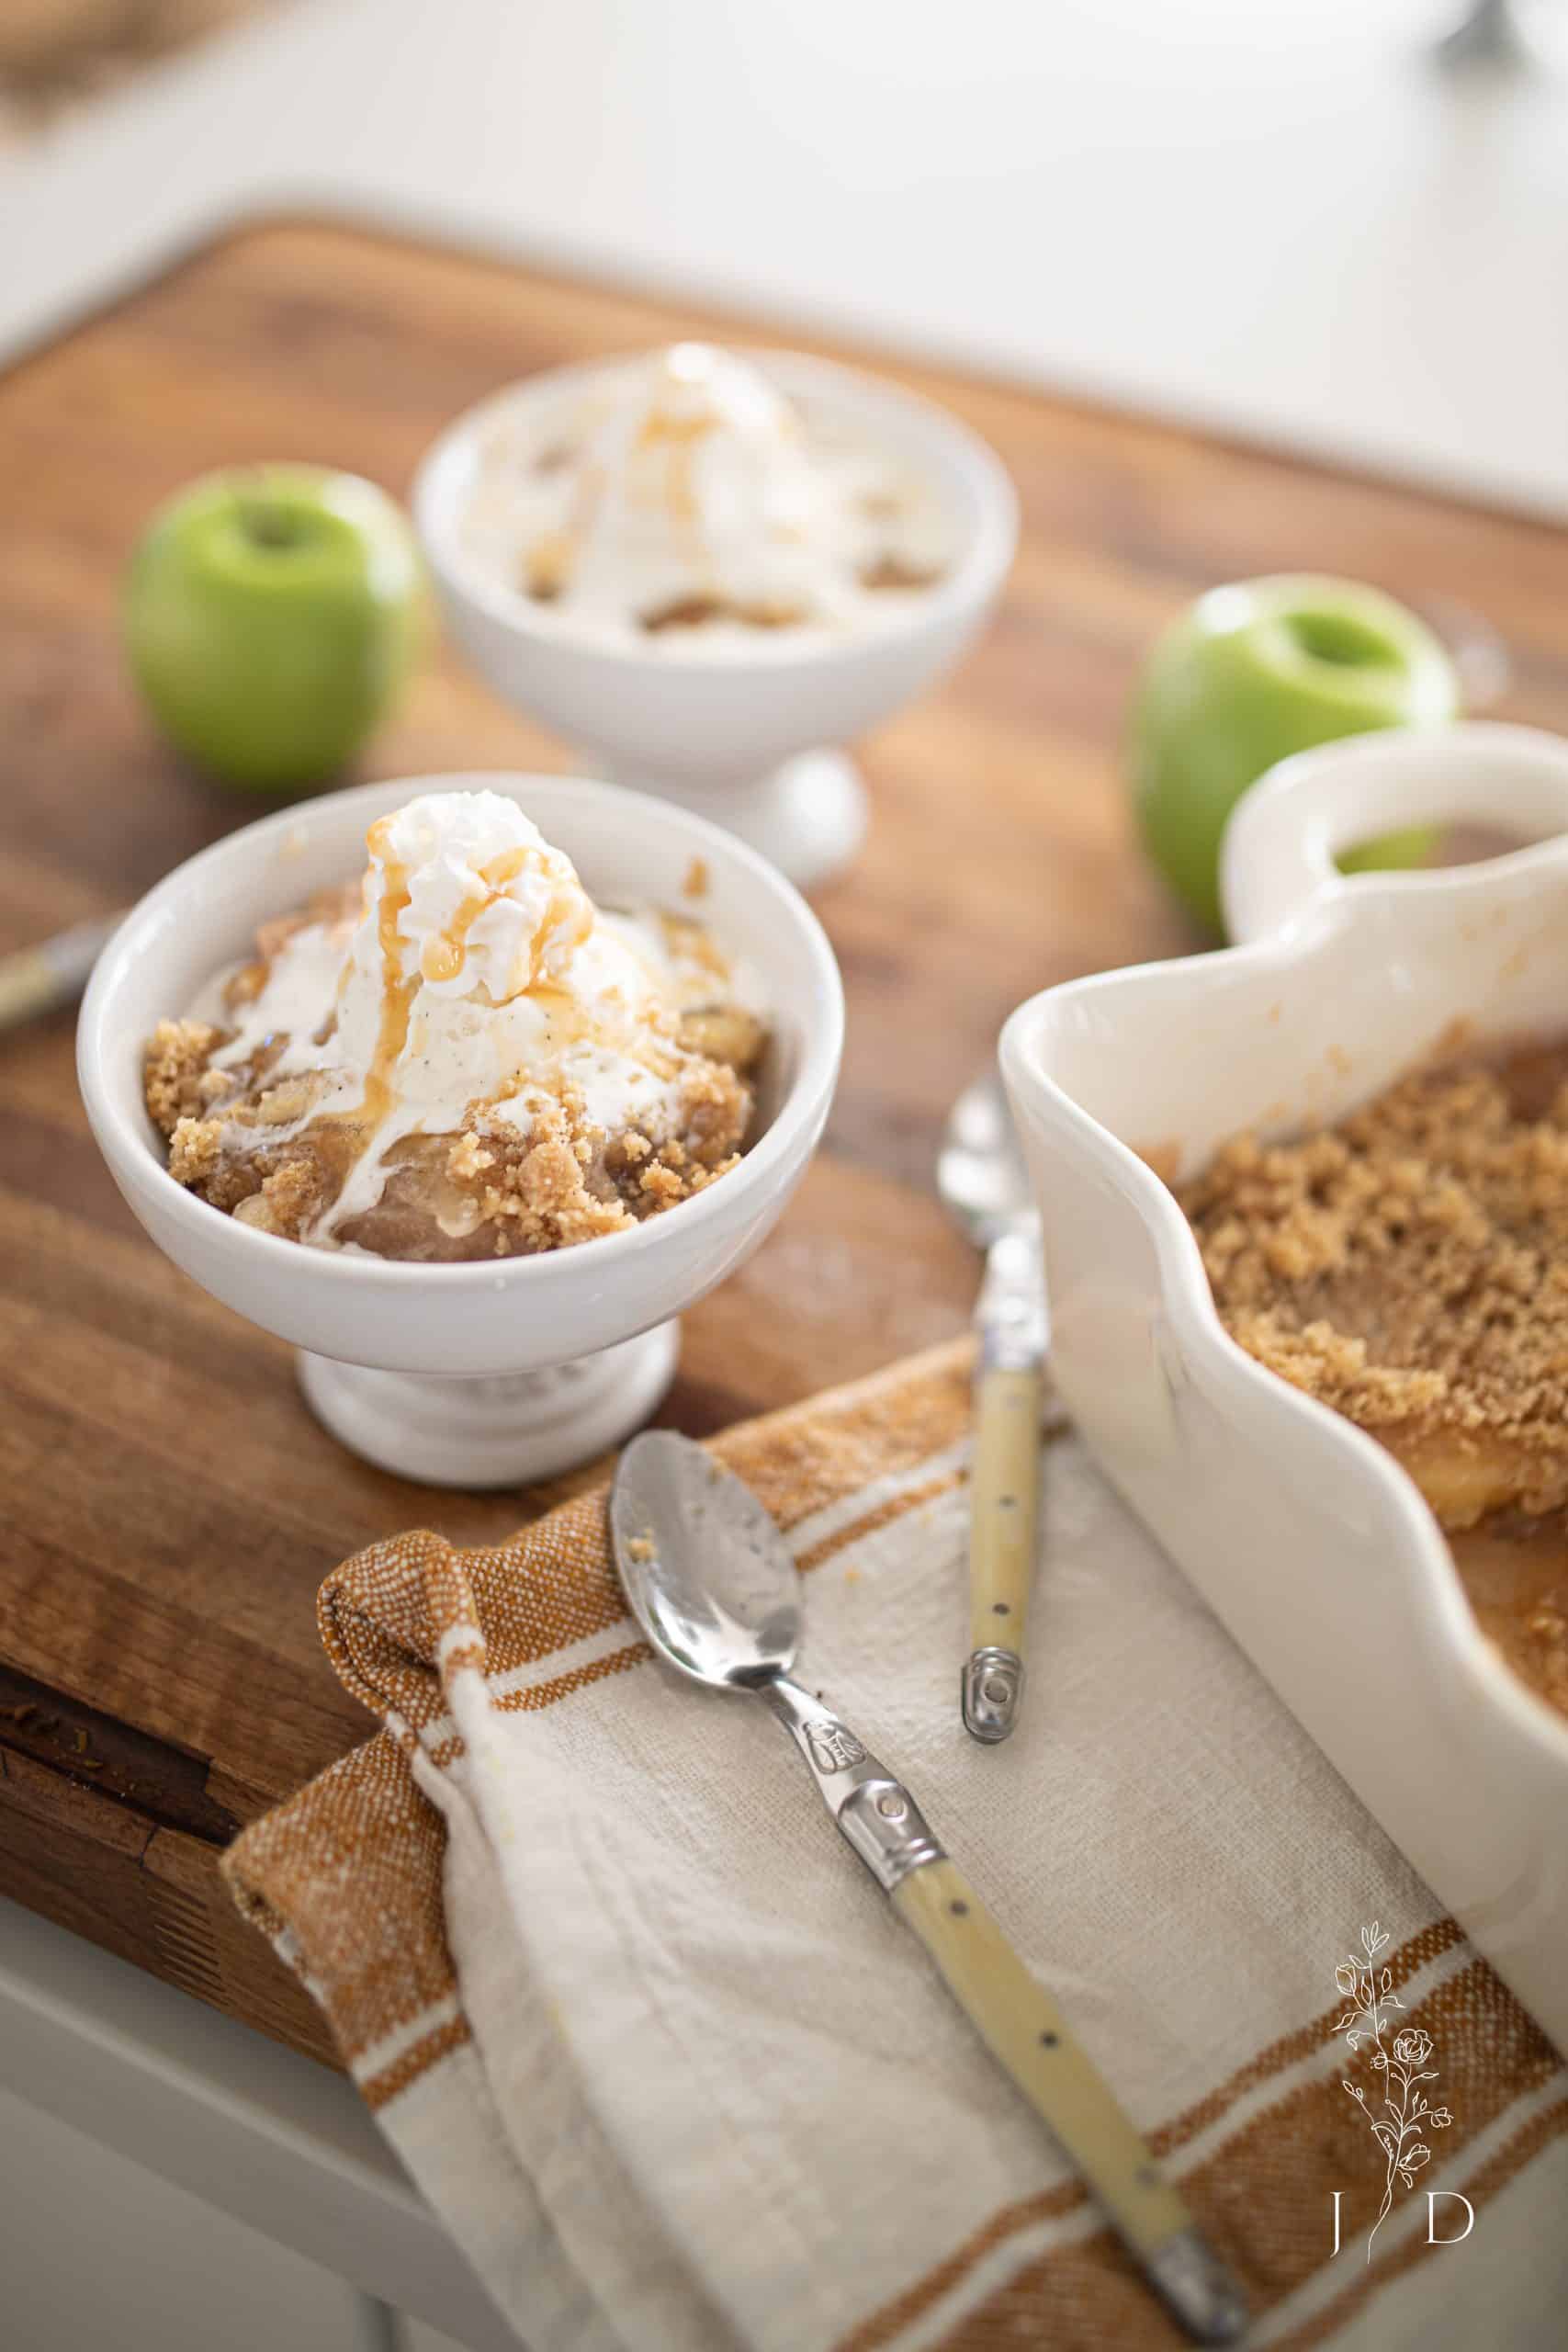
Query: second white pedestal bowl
[747,736]
[485,1373]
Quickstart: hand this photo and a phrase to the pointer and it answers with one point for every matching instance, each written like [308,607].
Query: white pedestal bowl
[495,1373]
[747,737]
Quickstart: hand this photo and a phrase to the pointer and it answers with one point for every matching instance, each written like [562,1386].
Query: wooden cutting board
[168,1507]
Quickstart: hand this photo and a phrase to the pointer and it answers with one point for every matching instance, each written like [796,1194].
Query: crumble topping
[177,1077]
[491,1190]
[701,612]
[1409,1267]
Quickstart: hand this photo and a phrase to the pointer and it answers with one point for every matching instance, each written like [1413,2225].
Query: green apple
[1252,673]
[271,615]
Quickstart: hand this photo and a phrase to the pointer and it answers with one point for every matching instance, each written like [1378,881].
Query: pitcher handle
[1278,856]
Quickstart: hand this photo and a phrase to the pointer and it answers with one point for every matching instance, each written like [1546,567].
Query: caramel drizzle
[552,559]
[397,993]
[678,438]
[443,959]
[567,912]
[396,996]
[360,1122]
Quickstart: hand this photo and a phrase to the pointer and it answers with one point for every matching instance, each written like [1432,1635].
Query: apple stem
[268,524]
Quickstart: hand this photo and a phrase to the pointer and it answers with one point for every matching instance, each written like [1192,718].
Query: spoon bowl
[707,1574]
[980,1172]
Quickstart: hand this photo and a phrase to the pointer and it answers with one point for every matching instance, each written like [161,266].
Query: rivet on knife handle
[1026,2032]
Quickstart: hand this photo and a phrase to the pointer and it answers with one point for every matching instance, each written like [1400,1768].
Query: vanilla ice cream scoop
[478,955]
[464,897]
[682,496]
[698,485]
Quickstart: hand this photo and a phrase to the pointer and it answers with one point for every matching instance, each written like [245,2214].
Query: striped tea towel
[659,2052]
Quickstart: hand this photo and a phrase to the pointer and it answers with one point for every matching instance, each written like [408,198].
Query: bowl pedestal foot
[807,816]
[511,1429]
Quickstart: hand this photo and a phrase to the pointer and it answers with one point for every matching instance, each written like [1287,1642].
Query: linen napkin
[677,2079]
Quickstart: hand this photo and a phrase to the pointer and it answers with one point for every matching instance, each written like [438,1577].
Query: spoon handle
[36,980]
[1017,2018]
[1004,1506]
[1027,2034]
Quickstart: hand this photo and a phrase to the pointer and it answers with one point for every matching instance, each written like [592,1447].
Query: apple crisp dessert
[1408,1266]
[460,1056]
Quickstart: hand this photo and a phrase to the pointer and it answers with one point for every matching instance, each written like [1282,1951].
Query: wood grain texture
[168,1507]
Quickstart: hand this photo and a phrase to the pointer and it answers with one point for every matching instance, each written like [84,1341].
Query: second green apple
[1252,673]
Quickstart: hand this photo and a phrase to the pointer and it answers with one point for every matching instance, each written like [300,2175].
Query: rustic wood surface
[168,1507]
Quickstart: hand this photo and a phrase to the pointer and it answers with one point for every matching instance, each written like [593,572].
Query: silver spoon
[984,1186]
[714,1588]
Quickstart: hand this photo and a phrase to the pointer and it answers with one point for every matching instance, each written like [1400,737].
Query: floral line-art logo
[1399,2063]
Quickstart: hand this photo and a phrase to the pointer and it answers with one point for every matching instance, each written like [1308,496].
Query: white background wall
[1274,217]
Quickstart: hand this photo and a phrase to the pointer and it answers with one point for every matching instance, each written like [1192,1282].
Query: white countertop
[1276,221]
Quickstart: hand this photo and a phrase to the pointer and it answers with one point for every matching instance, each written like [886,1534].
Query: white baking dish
[1315,1549]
